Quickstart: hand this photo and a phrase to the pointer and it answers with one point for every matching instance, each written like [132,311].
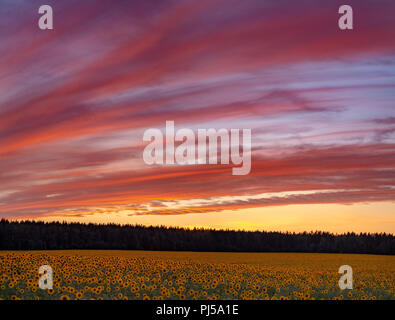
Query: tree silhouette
[28,235]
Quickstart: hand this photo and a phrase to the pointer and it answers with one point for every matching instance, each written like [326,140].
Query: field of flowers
[147,275]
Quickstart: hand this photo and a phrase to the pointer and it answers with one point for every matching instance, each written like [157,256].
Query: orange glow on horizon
[374,217]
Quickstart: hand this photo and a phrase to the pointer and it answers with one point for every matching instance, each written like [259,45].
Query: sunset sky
[75,102]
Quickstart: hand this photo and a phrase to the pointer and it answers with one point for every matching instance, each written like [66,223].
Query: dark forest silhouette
[28,235]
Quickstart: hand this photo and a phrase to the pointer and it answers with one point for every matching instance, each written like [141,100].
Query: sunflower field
[125,275]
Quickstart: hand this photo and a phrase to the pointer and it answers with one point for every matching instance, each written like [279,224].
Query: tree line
[29,235]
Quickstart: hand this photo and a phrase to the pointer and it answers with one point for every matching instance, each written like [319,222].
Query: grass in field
[191,275]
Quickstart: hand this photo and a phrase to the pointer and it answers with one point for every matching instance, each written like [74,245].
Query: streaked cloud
[75,102]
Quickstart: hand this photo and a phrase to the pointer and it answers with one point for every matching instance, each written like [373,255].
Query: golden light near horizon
[336,218]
